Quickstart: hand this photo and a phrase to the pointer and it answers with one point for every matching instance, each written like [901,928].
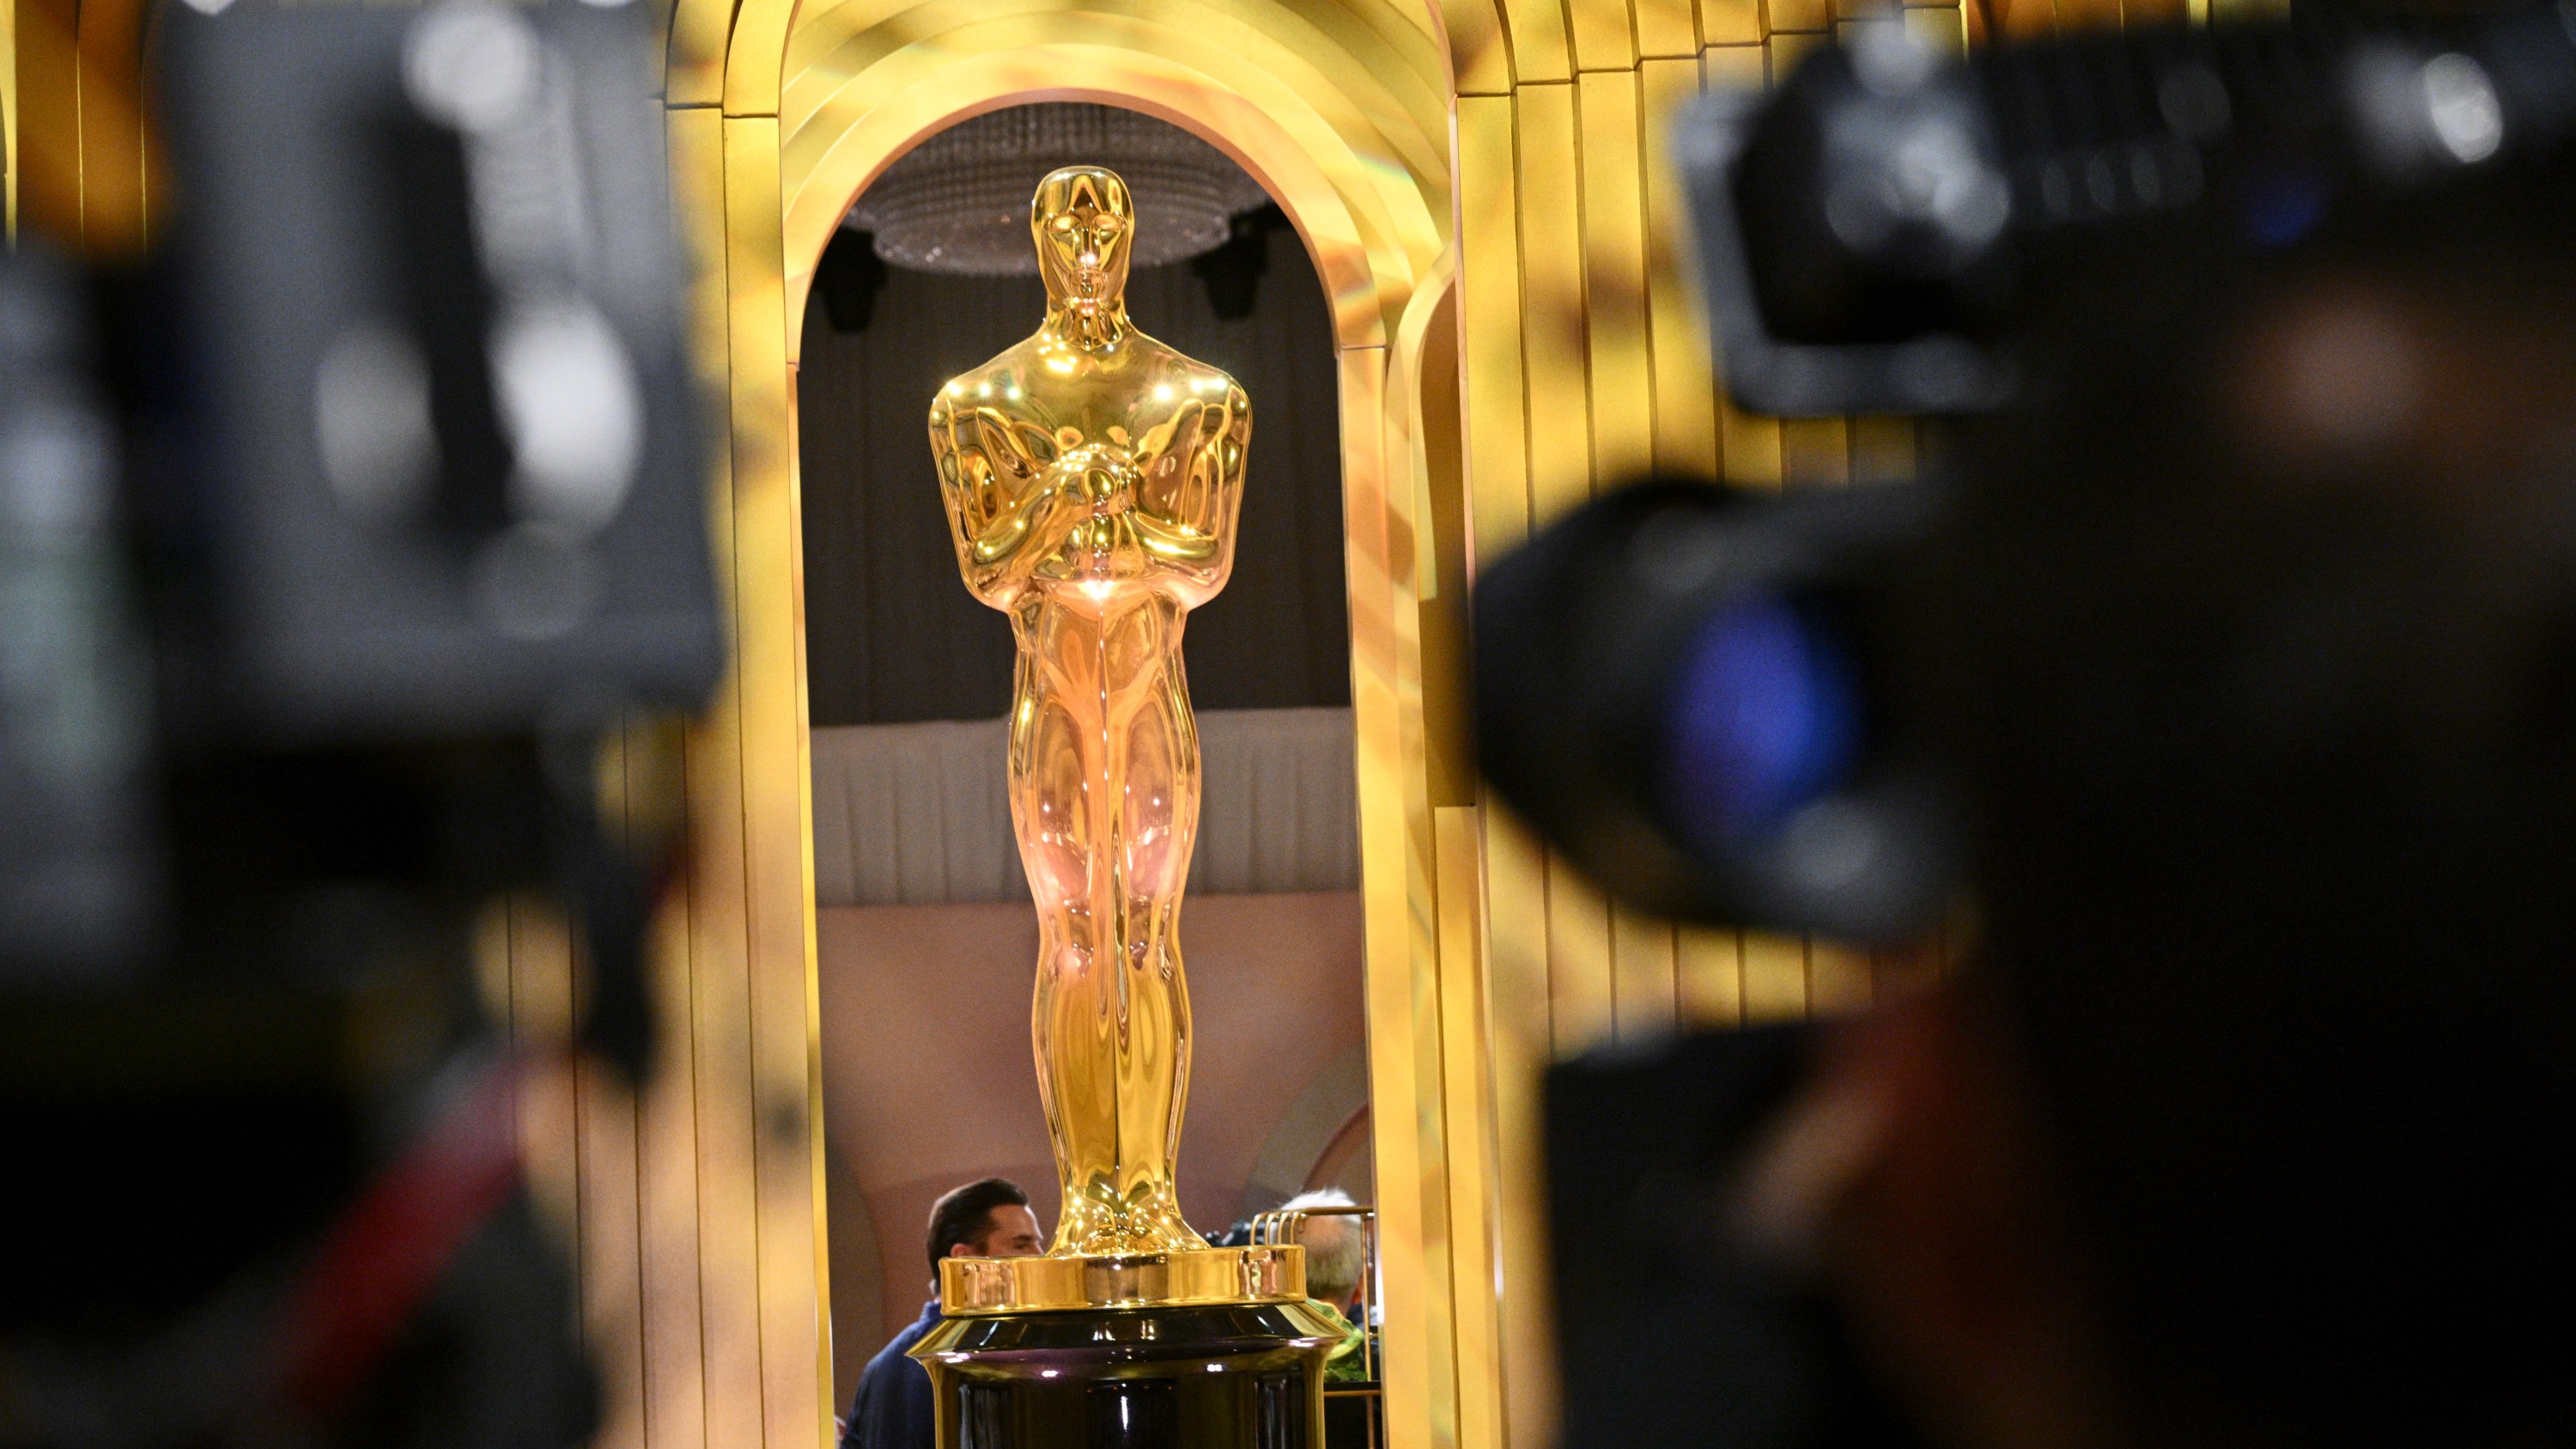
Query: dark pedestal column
[1238,1376]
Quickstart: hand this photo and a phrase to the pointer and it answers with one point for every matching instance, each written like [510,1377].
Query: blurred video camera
[334,541]
[2129,283]
[1731,706]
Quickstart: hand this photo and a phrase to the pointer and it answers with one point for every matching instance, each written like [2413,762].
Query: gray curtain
[891,634]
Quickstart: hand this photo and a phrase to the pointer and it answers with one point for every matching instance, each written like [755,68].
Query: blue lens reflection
[1765,717]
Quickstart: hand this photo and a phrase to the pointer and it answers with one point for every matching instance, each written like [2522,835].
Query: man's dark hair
[2272,698]
[964,1214]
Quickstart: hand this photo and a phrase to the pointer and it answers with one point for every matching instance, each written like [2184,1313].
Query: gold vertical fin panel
[777,834]
[1541,48]
[1480,59]
[1749,452]
[1605,36]
[1685,397]
[1411,1175]
[693,64]
[8,121]
[1665,29]
[1492,393]
[1618,358]
[1466,1032]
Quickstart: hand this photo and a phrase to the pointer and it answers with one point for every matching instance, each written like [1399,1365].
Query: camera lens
[1688,690]
[1764,717]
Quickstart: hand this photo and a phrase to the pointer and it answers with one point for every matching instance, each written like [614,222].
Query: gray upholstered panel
[917,814]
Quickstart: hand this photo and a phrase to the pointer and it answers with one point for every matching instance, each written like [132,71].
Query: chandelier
[959,202]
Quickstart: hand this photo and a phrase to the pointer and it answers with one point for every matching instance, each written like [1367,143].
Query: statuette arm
[1007,507]
[1190,487]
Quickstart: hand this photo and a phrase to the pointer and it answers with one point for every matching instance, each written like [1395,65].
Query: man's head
[1083,221]
[1336,1248]
[985,1219]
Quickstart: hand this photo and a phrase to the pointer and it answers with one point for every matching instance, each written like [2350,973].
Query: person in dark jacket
[985,1219]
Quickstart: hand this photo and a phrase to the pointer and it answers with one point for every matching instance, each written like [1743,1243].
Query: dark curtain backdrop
[891,633]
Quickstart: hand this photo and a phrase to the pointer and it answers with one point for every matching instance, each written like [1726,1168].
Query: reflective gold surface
[1092,476]
[1049,1284]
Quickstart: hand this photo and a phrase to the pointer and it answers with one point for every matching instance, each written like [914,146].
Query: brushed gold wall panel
[1602,37]
[1582,1008]
[1480,61]
[1518,1011]
[1708,976]
[1468,1104]
[693,65]
[1619,362]
[1493,392]
[1815,451]
[1642,982]
[1730,22]
[1554,351]
[1685,388]
[1665,28]
[1882,448]
[1541,50]
[1944,28]
[1781,17]
[1775,977]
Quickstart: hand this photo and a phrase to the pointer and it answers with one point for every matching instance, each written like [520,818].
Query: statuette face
[1092,478]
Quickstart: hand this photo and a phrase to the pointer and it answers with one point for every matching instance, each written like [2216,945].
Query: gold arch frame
[1342,115]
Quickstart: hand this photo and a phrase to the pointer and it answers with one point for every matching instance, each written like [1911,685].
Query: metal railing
[1366,1398]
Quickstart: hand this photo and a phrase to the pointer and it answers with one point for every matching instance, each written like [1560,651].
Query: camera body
[1748,709]
[2212,676]
[334,541]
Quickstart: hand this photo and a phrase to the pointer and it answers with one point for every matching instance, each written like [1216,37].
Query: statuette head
[1083,220]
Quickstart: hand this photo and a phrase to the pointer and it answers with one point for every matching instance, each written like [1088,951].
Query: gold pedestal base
[1227,1376]
[980,1287]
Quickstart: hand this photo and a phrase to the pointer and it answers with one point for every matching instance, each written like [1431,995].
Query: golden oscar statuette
[1092,476]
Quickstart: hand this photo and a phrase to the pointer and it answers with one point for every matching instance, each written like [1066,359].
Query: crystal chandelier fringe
[959,202]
